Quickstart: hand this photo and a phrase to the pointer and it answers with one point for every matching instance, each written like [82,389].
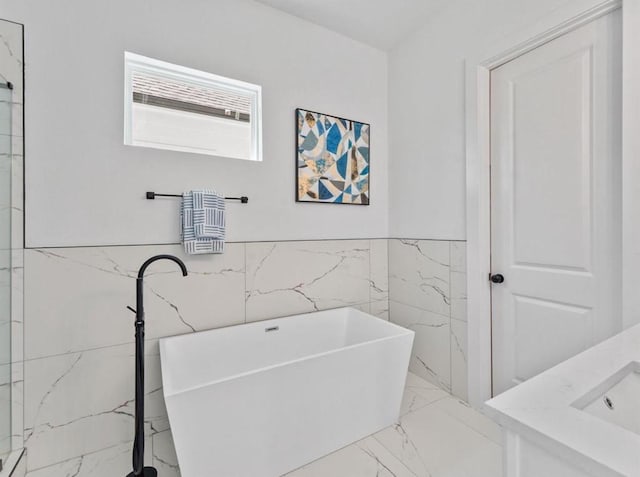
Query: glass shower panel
[5,270]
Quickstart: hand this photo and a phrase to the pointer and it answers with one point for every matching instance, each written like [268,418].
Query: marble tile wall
[427,293]
[11,69]
[78,366]
[11,253]
[78,348]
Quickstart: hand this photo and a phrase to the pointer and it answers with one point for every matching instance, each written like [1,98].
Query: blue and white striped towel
[203,222]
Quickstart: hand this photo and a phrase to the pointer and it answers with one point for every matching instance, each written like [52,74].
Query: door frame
[478,155]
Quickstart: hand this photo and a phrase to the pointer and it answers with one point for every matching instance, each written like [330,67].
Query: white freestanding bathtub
[262,399]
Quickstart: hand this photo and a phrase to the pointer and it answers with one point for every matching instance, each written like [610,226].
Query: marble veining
[431,357]
[72,395]
[11,55]
[419,393]
[459,358]
[5,401]
[364,458]
[419,274]
[439,437]
[12,147]
[109,462]
[9,48]
[431,443]
[164,455]
[379,309]
[249,282]
[103,280]
[379,271]
[427,293]
[84,340]
[17,405]
[458,281]
[298,277]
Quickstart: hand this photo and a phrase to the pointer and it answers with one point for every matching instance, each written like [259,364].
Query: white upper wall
[379,23]
[84,187]
[427,174]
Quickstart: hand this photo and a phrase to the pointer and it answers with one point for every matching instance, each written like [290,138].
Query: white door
[556,200]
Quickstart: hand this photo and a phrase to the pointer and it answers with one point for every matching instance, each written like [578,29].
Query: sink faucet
[139,470]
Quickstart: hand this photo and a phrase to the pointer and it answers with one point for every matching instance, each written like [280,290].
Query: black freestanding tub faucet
[139,470]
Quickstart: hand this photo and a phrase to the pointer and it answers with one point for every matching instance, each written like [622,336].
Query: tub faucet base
[146,472]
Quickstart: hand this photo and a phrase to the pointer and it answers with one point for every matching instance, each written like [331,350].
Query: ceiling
[379,23]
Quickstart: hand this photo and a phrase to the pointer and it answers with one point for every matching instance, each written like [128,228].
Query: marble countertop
[541,410]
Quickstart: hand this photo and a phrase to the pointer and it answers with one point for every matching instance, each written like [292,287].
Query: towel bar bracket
[153,195]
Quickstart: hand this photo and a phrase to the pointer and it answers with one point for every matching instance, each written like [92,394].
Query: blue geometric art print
[332,159]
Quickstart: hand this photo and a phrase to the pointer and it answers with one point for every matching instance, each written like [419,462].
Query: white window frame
[134,63]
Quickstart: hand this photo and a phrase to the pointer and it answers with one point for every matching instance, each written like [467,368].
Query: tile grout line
[450,328]
[24,350]
[395,457]
[389,279]
[81,456]
[151,340]
[466,424]
[448,396]
[440,410]
[245,283]
[46,247]
[420,309]
[370,274]
[392,454]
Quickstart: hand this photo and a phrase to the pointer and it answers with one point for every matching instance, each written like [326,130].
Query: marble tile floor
[438,436]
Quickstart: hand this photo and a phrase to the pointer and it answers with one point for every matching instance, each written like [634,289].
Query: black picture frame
[298,199]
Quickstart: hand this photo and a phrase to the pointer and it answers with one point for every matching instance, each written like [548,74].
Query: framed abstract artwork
[332,157]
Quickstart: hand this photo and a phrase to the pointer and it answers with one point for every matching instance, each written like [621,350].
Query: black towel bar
[153,195]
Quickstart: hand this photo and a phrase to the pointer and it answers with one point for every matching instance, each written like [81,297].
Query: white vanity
[578,419]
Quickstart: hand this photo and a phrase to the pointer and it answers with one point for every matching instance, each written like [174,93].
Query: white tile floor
[438,436]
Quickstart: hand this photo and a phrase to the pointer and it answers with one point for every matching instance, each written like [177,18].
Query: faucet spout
[140,281]
[180,263]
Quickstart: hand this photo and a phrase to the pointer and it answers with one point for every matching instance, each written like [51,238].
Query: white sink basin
[617,399]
